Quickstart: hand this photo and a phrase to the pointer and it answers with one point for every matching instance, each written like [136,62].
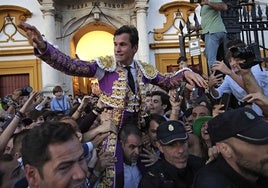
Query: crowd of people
[176,135]
[173,148]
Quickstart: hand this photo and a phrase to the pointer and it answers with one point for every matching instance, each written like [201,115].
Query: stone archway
[83,85]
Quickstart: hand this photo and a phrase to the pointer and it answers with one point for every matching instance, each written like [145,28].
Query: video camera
[250,53]
[26,91]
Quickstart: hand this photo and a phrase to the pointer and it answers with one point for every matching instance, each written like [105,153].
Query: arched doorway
[91,41]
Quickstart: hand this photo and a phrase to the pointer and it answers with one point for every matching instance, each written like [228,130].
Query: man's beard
[249,168]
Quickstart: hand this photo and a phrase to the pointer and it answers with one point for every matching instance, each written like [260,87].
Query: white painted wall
[33,6]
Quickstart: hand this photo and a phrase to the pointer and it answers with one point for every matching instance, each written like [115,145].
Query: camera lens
[26,91]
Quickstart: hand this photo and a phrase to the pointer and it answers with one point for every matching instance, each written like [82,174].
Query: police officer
[177,168]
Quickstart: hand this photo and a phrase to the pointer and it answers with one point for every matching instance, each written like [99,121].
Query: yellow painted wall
[31,67]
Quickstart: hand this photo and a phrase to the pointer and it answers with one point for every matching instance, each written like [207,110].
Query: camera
[250,53]
[7,99]
[26,91]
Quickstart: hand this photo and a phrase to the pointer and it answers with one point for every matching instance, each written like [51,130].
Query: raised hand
[217,109]
[222,67]
[149,157]
[214,80]
[258,98]
[195,79]
[105,160]
[34,36]
[29,104]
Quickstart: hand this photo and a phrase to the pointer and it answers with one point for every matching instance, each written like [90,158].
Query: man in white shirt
[233,83]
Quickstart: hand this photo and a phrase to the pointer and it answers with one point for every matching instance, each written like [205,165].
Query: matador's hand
[195,79]
[34,36]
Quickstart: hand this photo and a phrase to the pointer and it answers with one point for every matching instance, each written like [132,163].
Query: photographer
[13,102]
[256,93]
[19,115]
[233,82]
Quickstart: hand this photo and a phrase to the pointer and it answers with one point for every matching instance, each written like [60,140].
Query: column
[50,76]
[141,12]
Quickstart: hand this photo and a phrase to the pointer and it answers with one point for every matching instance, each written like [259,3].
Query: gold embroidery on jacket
[107,63]
[149,71]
